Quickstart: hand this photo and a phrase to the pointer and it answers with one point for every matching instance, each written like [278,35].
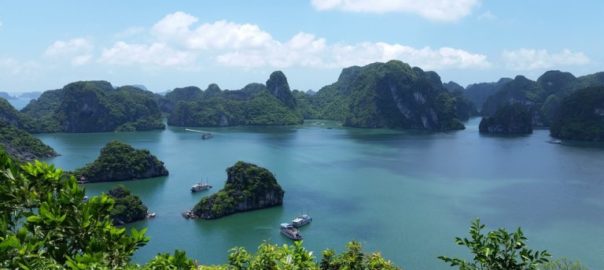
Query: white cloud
[248,46]
[308,51]
[179,28]
[532,59]
[77,50]
[155,54]
[18,68]
[437,10]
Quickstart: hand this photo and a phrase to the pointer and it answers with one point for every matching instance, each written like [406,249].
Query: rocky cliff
[581,116]
[248,187]
[95,106]
[511,119]
[21,145]
[254,105]
[119,161]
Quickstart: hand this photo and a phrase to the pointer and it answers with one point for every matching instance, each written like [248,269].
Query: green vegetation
[581,116]
[541,97]
[509,119]
[562,264]
[21,145]
[119,161]
[14,137]
[497,250]
[10,116]
[390,95]
[127,207]
[94,106]
[248,187]
[45,223]
[254,105]
[478,93]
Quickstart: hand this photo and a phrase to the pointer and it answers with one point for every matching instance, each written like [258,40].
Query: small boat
[200,187]
[301,220]
[290,232]
[151,215]
[206,136]
[85,199]
[189,215]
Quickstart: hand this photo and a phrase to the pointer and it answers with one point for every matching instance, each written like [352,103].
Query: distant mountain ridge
[95,106]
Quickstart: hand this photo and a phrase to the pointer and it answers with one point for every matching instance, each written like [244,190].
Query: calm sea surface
[405,194]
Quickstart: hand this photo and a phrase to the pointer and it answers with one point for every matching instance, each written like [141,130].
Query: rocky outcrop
[127,208]
[511,119]
[95,106]
[21,145]
[119,161]
[277,85]
[255,104]
[478,93]
[581,116]
[248,187]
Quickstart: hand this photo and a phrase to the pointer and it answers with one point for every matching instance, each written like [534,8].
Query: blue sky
[167,44]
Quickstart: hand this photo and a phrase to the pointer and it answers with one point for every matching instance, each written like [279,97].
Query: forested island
[119,161]
[254,105]
[48,224]
[94,106]
[510,119]
[379,95]
[581,116]
[390,95]
[248,187]
[127,207]
[15,139]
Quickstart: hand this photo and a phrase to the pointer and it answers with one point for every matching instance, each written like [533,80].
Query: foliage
[120,161]
[21,145]
[254,105]
[354,258]
[478,93]
[127,207]
[543,96]
[94,106]
[562,264]
[497,250]
[248,187]
[389,95]
[581,116]
[508,120]
[305,105]
[224,110]
[46,224]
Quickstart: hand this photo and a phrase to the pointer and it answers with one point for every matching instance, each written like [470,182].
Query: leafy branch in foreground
[497,250]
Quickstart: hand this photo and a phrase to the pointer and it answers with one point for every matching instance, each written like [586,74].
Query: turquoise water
[405,194]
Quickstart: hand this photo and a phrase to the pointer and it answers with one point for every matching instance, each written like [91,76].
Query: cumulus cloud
[248,46]
[307,51]
[437,10]
[532,59]
[155,54]
[77,50]
[179,28]
[15,67]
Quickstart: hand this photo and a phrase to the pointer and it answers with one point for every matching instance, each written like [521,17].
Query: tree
[497,250]
[45,221]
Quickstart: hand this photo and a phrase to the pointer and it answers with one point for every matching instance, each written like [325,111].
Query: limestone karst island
[306,135]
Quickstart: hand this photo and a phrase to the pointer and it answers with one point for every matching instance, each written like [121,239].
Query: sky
[166,44]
